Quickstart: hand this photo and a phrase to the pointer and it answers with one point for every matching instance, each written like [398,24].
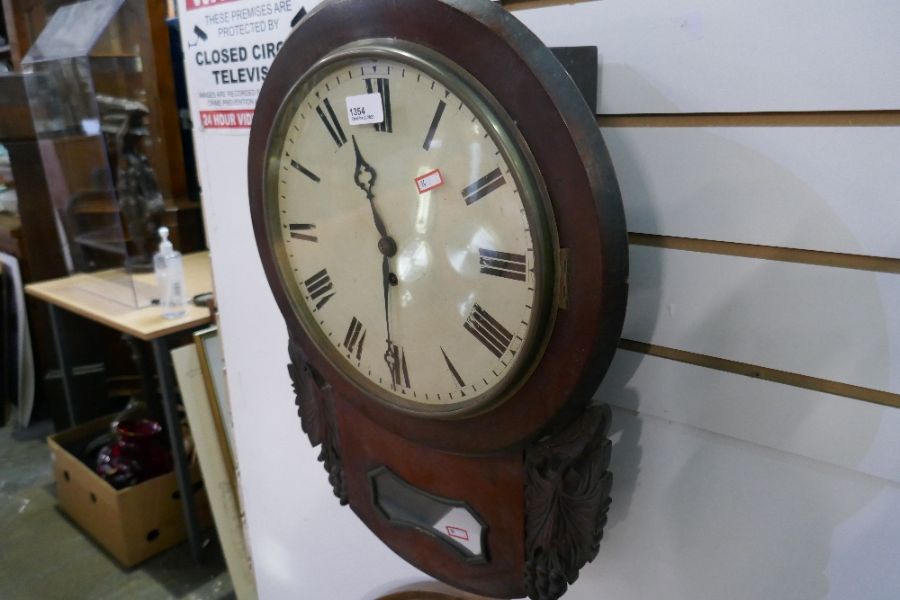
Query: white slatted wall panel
[821,182]
[726,486]
[688,56]
[816,183]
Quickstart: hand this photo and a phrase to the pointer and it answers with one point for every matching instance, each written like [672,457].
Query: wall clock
[441,227]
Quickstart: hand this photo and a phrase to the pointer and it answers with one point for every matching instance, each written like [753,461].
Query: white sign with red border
[228,47]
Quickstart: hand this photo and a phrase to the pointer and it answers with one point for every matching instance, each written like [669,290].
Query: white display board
[725,486]
[228,47]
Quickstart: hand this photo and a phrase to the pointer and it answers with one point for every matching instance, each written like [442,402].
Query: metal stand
[145,372]
[59,342]
[582,64]
[173,426]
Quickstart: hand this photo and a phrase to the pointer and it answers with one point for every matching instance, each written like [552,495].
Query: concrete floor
[45,556]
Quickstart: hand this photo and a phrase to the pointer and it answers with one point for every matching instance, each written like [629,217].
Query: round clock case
[561,135]
[479,454]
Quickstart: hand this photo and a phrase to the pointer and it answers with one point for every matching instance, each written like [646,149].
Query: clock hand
[386,273]
[389,357]
[364,176]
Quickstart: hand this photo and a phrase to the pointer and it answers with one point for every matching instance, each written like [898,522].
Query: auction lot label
[228,47]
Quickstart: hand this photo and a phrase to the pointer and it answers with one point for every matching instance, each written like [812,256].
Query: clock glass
[411,228]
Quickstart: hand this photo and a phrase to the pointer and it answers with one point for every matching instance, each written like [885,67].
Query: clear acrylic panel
[74,30]
[92,111]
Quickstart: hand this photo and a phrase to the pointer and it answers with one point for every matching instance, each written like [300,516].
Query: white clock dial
[407,237]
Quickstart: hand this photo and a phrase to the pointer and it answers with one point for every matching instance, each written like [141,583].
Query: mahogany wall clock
[441,226]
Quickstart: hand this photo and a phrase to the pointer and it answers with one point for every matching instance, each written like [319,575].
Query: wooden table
[90,296]
[110,298]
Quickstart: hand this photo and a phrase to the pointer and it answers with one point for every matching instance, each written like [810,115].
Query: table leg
[62,355]
[145,373]
[173,426]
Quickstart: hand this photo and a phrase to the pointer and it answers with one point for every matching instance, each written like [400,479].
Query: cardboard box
[133,523]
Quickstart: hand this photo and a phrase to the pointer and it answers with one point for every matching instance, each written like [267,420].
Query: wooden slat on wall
[834,189]
[830,323]
[755,371]
[842,118]
[807,257]
[834,429]
[697,56]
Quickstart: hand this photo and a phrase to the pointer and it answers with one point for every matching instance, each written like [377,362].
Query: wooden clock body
[530,469]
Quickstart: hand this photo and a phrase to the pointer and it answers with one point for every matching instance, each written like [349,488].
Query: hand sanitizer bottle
[170,276]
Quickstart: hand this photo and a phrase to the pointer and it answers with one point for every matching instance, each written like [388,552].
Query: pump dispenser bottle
[170,276]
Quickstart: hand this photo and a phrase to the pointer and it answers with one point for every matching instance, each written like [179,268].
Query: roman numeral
[297,228]
[488,331]
[383,87]
[320,288]
[396,361]
[331,123]
[355,338]
[453,370]
[483,186]
[305,171]
[434,124]
[502,264]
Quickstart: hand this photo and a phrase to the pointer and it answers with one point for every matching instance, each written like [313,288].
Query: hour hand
[364,175]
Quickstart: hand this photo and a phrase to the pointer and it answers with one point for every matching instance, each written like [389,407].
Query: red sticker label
[192,4]
[458,533]
[429,181]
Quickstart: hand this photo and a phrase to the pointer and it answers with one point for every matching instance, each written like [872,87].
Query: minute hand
[385,282]
[364,176]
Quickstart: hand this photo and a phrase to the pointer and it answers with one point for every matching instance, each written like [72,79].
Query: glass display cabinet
[107,140]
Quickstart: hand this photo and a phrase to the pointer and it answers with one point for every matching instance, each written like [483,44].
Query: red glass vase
[138,453]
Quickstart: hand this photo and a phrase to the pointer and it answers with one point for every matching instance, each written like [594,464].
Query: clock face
[410,230]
